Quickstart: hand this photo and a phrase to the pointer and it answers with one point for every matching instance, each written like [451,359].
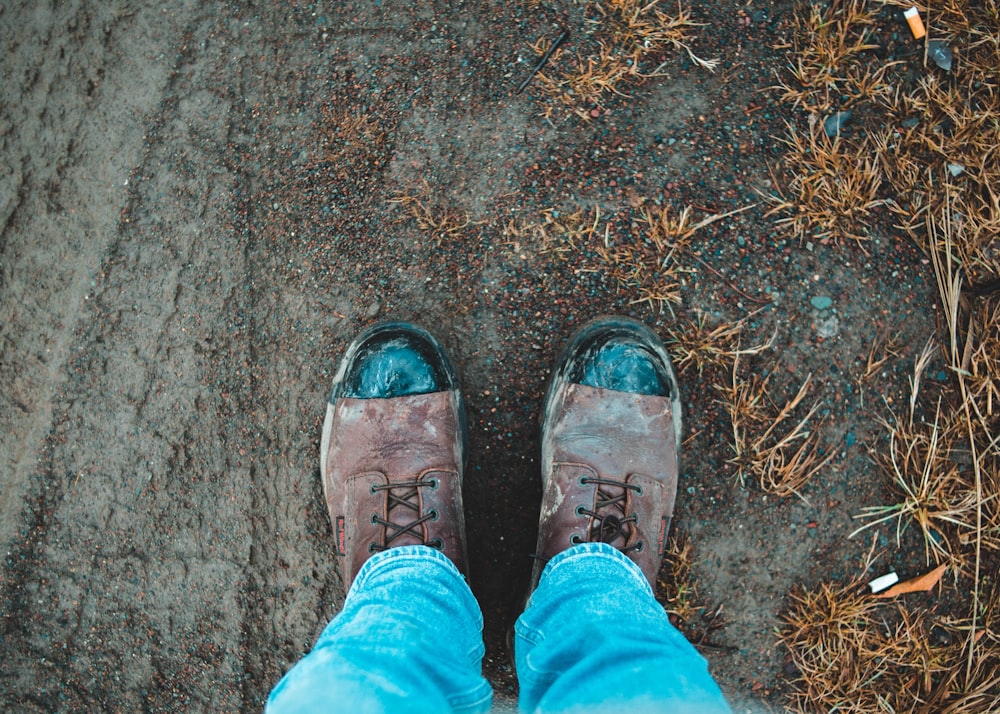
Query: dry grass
[626,38]
[442,222]
[647,261]
[348,139]
[559,233]
[828,46]
[832,189]
[853,653]
[932,491]
[697,345]
[926,143]
[883,348]
[768,444]
[678,593]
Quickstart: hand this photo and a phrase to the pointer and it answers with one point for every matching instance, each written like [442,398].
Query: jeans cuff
[599,551]
[393,557]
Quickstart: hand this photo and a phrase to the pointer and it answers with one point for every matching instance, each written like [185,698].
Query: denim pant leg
[408,639]
[593,634]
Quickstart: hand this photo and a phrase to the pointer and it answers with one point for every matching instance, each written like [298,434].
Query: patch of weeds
[833,185]
[442,222]
[851,652]
[883,348]
[560,233]
[931,490]
[625,45]
[347,139]
[697,345]
[828,67]
[678,593]
[768,444]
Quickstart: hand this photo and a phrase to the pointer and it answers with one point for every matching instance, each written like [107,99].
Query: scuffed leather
[381,441]
[618,435]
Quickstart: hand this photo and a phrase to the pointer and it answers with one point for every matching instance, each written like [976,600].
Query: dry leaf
[916,585]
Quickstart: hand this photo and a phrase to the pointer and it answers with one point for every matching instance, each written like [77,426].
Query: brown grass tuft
[782,454]
[832,188]
[697,345]
[626,38]
[442,222]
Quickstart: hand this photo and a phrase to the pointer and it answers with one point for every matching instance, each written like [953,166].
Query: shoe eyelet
[372,490]
[580,511]
[374,519]
[432,484]
[433,514]
[638,490]
[575,540]
[436,543]
[639,547]
[372,548]
[583,480]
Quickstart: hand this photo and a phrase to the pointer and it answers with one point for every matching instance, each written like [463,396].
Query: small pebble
[821,302]
[828,328]
[835,123]
[940,53]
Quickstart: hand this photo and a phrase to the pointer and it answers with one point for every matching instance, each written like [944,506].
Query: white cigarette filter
[879,584]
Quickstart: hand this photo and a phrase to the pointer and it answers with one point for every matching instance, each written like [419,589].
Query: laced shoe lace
[612,516]
[403,497]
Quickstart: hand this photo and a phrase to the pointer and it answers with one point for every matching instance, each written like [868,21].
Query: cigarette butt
[916,24]
[880,584]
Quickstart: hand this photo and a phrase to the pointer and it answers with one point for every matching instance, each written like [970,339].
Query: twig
[563,36]
[729,284]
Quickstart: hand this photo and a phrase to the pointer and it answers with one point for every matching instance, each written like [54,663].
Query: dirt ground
[186,247]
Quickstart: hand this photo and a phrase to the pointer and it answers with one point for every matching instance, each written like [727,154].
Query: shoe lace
[611,518]
[403,496]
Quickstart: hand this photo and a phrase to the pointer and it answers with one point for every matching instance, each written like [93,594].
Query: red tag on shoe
[661,538]
[341,536]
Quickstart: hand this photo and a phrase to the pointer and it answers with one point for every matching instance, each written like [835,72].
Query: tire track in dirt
[78,78]
[124,593]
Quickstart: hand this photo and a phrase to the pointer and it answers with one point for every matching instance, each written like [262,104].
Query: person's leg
[409,637]
[593,634]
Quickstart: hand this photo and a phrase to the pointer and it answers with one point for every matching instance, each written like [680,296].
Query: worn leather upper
[593,433]
[378,442]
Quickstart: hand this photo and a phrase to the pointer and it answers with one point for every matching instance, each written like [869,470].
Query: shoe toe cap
[620,355]
[396,361]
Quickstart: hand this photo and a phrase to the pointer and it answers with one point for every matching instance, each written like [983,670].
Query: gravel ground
[187,245]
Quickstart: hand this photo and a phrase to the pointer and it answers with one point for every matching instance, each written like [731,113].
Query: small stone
[955,169]
[834,123]
[828,328]
[940,53]
[373,310]
[821,302]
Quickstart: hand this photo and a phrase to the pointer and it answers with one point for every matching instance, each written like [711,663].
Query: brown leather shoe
[393,448]
[610,436]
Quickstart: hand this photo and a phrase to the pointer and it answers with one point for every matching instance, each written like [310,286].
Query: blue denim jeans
[409,639]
